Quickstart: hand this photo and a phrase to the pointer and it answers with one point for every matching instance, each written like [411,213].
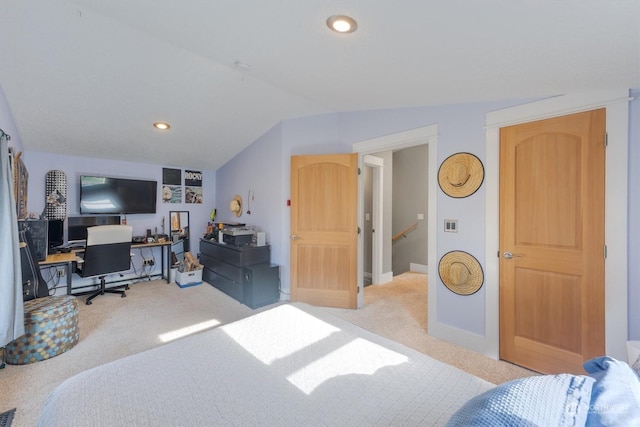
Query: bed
[297,365]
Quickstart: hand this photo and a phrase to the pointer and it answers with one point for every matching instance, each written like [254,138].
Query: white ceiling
[89,77]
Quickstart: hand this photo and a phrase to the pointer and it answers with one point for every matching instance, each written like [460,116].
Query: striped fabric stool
[51,328]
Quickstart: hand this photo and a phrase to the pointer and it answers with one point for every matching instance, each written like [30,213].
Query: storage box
[189,278]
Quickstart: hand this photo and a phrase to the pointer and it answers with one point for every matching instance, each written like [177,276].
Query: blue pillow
[546,400]
[615,397]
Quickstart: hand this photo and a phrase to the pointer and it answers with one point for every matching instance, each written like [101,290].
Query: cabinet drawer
[222,268]
[236,255]
[234,290]
[205,260]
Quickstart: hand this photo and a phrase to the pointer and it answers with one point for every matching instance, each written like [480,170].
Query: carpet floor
[398,310]
[155,312]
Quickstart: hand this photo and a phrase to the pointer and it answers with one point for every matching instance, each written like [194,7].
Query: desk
[66,260]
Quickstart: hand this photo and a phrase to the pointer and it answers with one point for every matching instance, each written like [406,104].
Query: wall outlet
[148,262]
[60,273]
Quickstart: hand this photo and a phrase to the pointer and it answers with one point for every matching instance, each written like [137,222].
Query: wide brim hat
[235,205]
[460,175]
[461,273]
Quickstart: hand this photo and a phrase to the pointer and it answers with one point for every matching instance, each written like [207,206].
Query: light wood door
[552,222]
[324,229]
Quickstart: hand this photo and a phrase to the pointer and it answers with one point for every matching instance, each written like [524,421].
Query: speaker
[39,232]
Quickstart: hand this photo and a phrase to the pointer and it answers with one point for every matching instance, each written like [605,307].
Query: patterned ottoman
[51,328]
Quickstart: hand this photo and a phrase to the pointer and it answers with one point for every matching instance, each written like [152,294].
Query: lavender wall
[38,164]
[461,128]
[256,170]
[264,168]
[8,125]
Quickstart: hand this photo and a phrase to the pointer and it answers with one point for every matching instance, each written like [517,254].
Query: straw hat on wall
[460,175]
[461,273]
[236,205]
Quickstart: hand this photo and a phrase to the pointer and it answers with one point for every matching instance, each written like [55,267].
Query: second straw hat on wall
[461,272]
[460,175]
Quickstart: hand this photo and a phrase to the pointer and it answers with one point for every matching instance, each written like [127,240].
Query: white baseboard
[386,277]
[418,268]
[462,338]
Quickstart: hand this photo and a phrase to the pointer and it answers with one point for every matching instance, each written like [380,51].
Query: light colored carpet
[398,310]
[114,327]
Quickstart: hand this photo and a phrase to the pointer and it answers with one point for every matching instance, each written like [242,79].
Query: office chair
[108,251]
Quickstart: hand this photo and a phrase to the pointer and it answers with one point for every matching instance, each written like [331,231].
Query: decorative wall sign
[171,185]
[460,272]
[460,175]
[193,187]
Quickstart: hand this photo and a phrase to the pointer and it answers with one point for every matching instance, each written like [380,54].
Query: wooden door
[552,223]
[324,224]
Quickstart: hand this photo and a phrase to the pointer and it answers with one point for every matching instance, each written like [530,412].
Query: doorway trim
[377,166]
[405,139]
[617,118]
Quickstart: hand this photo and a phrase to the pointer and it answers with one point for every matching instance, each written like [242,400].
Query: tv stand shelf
[242,272]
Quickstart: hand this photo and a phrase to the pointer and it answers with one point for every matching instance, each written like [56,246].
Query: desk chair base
[103,290]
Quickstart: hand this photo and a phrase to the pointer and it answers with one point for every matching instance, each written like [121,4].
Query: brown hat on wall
[460,175]
[460,272]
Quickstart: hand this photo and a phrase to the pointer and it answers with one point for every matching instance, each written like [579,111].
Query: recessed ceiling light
[342,24]
[161,125]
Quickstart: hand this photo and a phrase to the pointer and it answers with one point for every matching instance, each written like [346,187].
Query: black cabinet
[261,285]
[242,272]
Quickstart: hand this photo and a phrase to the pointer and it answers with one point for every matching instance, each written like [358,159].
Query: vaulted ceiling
[90,77]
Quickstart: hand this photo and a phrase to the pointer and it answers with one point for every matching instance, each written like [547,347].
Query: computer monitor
[55,233]
[77,225]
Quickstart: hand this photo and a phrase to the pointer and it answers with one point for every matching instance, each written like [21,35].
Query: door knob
[294,237]
[507,255]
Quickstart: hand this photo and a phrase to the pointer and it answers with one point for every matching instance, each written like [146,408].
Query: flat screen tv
[106,195]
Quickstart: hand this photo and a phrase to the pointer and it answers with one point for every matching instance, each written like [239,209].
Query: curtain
[11,303]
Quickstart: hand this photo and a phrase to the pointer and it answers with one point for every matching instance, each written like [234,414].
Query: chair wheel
[127,287]
[123,295]
[89,302]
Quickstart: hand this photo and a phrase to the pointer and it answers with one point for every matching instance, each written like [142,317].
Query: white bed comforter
[293,365]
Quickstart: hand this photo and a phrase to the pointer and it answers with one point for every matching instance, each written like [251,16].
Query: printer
[238,236]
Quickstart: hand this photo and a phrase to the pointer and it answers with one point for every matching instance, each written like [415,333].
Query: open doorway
[381,266]
[396,188]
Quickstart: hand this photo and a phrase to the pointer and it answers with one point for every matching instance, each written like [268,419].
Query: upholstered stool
[51,328]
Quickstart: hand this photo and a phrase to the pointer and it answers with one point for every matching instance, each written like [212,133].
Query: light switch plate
[451,225]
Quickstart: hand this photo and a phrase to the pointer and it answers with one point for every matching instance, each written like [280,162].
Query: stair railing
[404,232]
